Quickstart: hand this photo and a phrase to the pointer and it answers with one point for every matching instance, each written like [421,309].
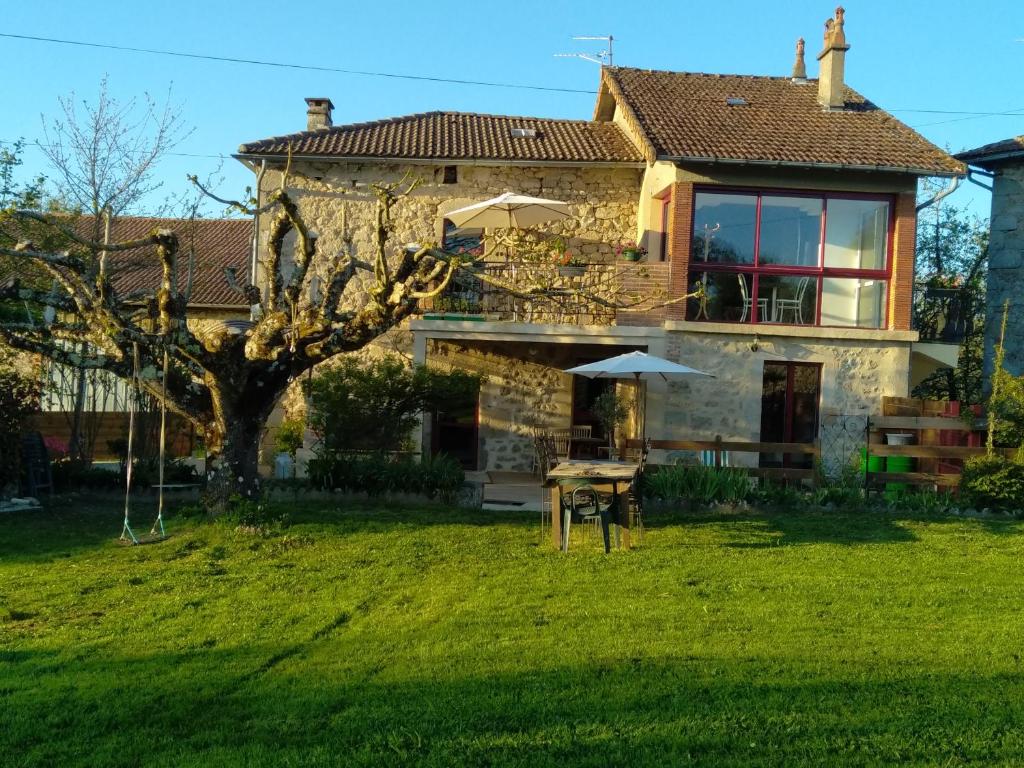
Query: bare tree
[226,377]
[103,156]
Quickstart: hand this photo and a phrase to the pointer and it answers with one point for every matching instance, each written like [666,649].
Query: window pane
[461,240]
[856,234]
[785,299]
[723,228]
[727,300]
[790,231]
[849,301]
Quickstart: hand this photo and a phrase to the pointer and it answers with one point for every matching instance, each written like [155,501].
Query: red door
[790,394]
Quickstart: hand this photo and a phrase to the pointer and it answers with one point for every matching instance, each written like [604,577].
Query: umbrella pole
[642,408]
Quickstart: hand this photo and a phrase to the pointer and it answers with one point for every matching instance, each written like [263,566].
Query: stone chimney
[318,113]
[799,69]
[832,63]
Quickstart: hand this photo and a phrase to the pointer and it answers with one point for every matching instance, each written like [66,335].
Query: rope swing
[157,532]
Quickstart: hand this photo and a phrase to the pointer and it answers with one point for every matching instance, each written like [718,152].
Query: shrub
[993,481]
[374,405]
[438,477]
[18,399]
[701,485]
[290,435]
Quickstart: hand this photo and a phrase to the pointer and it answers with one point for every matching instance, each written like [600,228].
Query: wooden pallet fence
[932,453]
[719,448]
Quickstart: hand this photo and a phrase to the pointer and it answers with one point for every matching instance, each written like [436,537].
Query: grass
[436,637]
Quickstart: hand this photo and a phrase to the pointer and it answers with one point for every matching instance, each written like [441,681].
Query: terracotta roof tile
[217,243]
[685,116]
[997,150]
[460,136]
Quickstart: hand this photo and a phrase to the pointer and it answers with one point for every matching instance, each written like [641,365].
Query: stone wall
[520,393]
[335,199]
[1006,269]
[855,375]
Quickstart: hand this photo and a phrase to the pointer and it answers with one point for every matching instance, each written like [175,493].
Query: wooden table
[615,476]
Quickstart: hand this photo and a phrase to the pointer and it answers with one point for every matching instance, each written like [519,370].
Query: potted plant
[567,264]
[290,436]
[631,251]
[612,413]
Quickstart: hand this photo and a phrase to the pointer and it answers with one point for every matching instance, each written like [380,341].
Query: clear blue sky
[942,55]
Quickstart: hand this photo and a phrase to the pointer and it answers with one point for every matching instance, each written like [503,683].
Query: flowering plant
[562,256]
[631,250]
[57,448]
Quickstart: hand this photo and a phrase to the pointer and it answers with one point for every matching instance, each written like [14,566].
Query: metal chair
[794,305]
[748,302]
[584,506]
[634,496]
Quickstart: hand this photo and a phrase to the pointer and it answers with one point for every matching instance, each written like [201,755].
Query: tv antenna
[604,58]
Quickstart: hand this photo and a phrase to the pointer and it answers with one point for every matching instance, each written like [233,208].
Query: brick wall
[644,279]
[679,243]
[901,292]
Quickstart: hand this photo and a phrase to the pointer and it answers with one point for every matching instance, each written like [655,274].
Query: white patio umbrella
[638,366]
[509,210]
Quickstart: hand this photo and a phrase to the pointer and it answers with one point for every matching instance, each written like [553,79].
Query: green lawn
[435,637]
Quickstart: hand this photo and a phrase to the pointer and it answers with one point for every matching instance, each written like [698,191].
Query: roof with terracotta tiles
[217,244]
[994,152]
[686,116]
[460,136]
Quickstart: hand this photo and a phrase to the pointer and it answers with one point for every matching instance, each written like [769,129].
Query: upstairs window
[461,239]
[789,258]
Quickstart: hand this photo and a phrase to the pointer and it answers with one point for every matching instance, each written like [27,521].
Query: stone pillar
[1006,270]
[419,357]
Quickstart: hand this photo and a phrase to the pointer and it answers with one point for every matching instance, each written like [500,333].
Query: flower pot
[631,255]
[572,270]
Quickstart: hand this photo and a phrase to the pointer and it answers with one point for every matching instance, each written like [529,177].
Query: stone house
[790,200]
[1002,162]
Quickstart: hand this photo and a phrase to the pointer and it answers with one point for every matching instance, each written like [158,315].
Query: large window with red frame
[790,258]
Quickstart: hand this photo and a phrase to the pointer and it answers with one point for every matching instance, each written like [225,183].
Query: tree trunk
[236,461]
[233,439]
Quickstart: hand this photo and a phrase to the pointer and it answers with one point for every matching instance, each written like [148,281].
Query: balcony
[944,314]
[615,293]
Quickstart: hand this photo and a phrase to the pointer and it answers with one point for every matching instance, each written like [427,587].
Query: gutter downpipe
[986,174]
[949,190]
[253,260]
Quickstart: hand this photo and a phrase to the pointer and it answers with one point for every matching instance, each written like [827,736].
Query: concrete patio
[512,490]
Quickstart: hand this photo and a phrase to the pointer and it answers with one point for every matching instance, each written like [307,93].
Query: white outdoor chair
[748,302]
[794,305]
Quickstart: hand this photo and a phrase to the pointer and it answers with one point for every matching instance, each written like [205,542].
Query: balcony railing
[526,292]
[944,314]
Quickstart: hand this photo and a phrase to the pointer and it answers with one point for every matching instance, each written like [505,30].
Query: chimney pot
[799,68]
[318,113]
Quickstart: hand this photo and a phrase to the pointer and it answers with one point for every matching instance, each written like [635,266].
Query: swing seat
[146,538]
